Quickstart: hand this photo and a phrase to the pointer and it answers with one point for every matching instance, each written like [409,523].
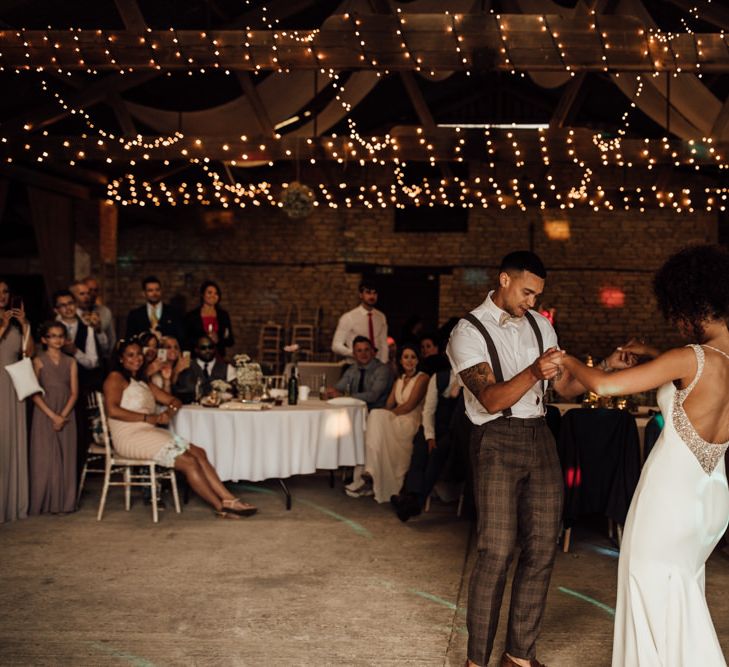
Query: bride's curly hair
[693,285]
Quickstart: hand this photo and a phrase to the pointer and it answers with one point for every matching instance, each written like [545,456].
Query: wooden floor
[335,581]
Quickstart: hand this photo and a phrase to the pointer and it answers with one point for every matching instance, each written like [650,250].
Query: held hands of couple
[549,365]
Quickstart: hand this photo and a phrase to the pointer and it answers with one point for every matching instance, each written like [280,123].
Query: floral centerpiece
[248,377]
[223,389]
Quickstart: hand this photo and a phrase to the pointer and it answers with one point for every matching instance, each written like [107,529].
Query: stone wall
[266,262]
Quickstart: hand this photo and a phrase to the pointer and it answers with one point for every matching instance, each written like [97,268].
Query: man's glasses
[63,304]
[206,347]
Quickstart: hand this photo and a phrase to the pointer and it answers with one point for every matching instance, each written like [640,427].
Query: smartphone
[16,302]
[162,355]
[186,354]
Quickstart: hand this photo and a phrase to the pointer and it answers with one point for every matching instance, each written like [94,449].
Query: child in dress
[53,430]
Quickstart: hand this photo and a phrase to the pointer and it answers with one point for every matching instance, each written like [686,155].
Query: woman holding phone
[14,329]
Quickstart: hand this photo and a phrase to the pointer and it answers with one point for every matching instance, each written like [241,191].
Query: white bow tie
[505,319]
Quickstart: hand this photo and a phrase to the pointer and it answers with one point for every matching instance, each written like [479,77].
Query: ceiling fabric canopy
[693,107]
[286,95]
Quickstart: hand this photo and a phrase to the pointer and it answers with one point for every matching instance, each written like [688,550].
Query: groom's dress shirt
[517,347]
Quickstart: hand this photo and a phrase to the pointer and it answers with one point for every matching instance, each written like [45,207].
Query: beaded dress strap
[700,357]
[716,349]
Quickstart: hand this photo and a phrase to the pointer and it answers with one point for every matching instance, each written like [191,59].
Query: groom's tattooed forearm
[478,377]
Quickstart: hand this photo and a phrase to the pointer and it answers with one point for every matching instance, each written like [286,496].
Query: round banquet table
[286,440]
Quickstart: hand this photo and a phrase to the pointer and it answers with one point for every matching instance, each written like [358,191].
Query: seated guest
[210,320]
[154,315]
[150,345]
[368,379]
[431,445]
[105,315]
[202,371]
[431,357]
[389,434]
[170,365]
[131,403]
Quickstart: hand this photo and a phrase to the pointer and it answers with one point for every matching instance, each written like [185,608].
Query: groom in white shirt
[364,320]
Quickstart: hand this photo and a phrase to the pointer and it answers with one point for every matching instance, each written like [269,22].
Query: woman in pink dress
[131,404]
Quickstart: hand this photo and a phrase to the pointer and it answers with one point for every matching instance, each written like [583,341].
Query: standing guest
[81,345]
[368,379]
[53,430]
[364,320]
[13,435]
[210,320]
[131,404]
[107,330]
[389,433]
[154,315]
[86,311]
[517,476]
[206,367]
[80,338]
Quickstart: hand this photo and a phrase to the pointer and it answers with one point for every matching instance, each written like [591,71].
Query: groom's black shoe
[506,661]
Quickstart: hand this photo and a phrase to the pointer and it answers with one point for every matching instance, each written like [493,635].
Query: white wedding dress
[678,514]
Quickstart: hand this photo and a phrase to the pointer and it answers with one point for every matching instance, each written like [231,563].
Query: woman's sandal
[247,510]
[226,514]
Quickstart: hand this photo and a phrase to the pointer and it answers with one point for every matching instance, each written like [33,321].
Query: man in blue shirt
[367,379]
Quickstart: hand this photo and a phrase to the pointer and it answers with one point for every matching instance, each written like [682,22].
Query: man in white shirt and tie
[364,320]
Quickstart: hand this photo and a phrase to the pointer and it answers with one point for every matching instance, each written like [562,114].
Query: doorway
[409,296]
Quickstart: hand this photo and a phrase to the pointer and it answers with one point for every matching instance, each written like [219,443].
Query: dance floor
[335,581]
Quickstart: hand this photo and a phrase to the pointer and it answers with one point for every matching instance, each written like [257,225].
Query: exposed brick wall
[267,262]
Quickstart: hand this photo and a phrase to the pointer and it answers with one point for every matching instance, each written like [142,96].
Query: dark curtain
[52,216]
[3,197]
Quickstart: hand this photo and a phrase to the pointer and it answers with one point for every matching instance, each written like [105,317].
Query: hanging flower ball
[297,200]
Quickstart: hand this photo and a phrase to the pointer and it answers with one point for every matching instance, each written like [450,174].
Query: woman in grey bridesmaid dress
[13,435]
[53,431]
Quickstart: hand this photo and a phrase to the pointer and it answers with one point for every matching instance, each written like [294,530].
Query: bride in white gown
[681,505]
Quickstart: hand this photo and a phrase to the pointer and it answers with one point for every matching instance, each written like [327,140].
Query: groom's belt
[518,422]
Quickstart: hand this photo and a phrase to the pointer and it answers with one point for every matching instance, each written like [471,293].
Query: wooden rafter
[259,108]
[131,15]
[565,145]
[512,42]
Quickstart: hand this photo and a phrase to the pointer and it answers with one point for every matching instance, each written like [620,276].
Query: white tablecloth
[276,443]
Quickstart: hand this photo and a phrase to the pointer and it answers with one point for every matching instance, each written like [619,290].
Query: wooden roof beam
[259,108]
[131,15]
